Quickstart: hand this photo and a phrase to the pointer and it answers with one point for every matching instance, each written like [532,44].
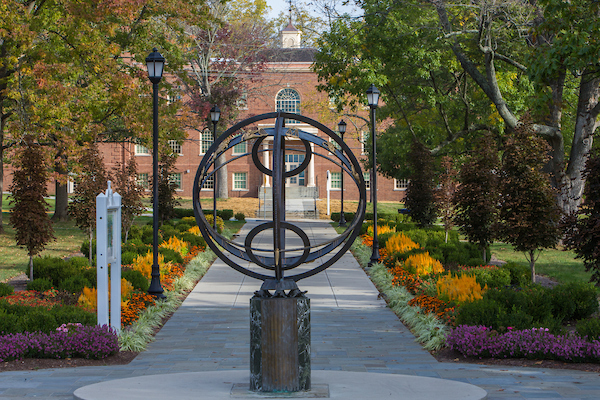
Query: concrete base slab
[220,385]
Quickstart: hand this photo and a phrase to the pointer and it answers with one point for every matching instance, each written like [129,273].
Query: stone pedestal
[279,344]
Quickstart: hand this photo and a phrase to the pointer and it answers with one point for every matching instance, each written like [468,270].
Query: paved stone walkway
[352,330]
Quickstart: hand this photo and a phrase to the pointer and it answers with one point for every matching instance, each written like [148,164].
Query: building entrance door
[293,161]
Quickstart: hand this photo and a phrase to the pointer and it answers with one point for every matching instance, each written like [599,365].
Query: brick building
[287,84]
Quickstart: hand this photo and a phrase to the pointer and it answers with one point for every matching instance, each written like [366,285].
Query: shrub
[18,318]
[589,329]
[183,212]
[6,289]
[128,257]
[183,227]
[137,279]
[220,223]
[79,263]
[193,240]
[85,247]
[74,284]
[170,255]
[520,275]
[485,312]
[240,216]
[579,298]
[348,215]
[39,284]
[225,214]
[488,275]
[461,289]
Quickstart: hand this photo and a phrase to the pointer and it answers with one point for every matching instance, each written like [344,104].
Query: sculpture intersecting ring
[282,259]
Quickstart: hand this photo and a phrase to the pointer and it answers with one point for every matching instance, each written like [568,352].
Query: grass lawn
[14,260]
[557,264]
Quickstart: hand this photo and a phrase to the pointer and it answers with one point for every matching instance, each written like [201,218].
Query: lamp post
[373,99]
[342,130]
[155,63]
[215,114]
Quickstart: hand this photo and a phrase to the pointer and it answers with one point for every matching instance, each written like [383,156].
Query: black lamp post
[155,63]
[215,114]
[373,99]
[342,130]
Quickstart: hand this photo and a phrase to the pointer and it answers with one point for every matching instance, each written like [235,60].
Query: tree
[28,217]
[420,197]
[504,57]
[125,183]
[583,227]
[444,194]
[166,187]
[73,58]
[529,215]
[478,194]
[89,183]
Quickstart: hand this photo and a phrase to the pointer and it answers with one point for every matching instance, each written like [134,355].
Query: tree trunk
[588,107]
[532,264]
[30,268]
[484,253]
[61,207]
[90,249]
[222,189]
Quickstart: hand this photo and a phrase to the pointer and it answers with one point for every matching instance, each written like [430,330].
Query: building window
[240,148]
[206,140]
[400,184]
[367,176]
[141,150]
[363,138]
[288,100]
[175,147]
[240,181]
[335,144]
[209,184]
[336,180]
[143,181]
[175,179]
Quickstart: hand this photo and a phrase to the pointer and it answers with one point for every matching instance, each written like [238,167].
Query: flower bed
[69,340]
[535,343]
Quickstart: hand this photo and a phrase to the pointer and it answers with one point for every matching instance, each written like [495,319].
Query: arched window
[288,100]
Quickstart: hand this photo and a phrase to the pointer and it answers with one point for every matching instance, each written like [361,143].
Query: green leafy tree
[89,183]
[420,194]
[583,227]
[167,200]
[125,183]
[444,194]
[529,215]
[28,217]
[473,67]
[478,195]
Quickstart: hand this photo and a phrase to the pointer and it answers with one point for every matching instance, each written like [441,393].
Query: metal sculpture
[279,284]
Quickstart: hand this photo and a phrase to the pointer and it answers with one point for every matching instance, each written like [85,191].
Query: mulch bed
[32,364]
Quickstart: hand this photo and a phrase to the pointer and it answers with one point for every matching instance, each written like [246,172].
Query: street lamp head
[215,114]
[155,63]
[342,127]
[373,96]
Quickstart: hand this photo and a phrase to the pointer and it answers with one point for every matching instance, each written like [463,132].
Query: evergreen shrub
[6,289]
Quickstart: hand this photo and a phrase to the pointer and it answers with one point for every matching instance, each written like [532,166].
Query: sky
[278,6]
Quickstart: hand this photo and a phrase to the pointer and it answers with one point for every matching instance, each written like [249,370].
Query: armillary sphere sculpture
[279,279]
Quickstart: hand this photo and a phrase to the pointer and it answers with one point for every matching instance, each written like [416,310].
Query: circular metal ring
[287,174]
[270,225]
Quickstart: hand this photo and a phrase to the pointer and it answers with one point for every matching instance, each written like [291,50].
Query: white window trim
[180,189]
[335,189]
[361,139]
[175,142]
[135,149]
[368,187]
[201,140]
[233,188]
[396,188]
[233,152]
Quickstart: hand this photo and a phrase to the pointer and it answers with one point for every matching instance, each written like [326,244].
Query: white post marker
[328,192]
[108,252]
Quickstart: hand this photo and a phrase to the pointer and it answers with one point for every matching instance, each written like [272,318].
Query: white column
[267,182]
[311,168]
